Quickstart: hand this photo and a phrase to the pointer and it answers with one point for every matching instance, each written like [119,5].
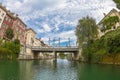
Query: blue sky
[57,18]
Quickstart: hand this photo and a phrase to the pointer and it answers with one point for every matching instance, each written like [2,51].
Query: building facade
[30,37]
[2,16]
[30,40]
[7,22]
[113,12]
[19,28]
[9,19]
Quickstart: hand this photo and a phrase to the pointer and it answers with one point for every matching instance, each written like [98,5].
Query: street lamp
[59,41]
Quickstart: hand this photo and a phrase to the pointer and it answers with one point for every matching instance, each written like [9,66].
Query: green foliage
[110,22]
[94,51]
[62,55]
[0,42]
[86,30]
[107,44]
[10,47]
[9,33]
[113,44]
[117,3]
[15,48]
[17,41]
[5,53]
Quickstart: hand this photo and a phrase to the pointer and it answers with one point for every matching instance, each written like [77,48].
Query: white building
[2,14]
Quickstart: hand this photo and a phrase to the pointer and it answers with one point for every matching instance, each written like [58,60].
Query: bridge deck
[57,49]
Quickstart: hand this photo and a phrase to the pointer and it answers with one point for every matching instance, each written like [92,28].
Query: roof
[112,11]
[11,14]
[3,7]
[20,20]
[31,29]
[7,11]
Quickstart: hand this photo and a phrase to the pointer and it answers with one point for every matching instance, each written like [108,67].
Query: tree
[86,30]
[17,41]
[117,3]
[9,33]
[13,46]
[110,22]
[113,45]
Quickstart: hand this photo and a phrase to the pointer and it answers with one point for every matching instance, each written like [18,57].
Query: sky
[57,18]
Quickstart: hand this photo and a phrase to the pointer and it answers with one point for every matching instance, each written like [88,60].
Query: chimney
[104,14]
[0,4]
[8,11]
[12,14]
[16,15]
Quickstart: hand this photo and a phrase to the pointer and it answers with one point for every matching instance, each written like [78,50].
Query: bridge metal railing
[55,47]
[40,48]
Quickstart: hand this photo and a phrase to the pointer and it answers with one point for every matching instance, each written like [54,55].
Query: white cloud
[46,27]
[40,31]
[49,15]
[63,36]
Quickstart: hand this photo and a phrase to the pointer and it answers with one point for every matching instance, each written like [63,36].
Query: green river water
[60,70]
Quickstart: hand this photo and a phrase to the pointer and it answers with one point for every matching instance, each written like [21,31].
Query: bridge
[55,49]
[32,50]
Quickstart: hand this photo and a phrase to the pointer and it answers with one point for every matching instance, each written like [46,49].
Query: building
[30,37]
[2,14]
[2,17]
[7,22]
[9,19]
[113,12]
[19,28]
[30,40]
[37,42]
[26,36]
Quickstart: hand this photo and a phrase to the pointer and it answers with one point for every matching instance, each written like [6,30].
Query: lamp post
[59,41]
[49,41]
[54,42]
[69,42]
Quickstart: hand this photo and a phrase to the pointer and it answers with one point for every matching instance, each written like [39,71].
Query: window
[2,14]
[6,18]
[9,20]
[18,22]
[0,20]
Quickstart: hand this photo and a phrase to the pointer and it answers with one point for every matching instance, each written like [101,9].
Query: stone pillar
[22,52]
[80,55]
[76,56]
[29,53]
[40,55]
[55,56]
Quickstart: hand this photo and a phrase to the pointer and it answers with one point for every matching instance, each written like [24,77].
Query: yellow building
[113,12]
[30,37]
[37,42]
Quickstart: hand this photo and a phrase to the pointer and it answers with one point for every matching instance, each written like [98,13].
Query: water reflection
[60,70]
[47,70]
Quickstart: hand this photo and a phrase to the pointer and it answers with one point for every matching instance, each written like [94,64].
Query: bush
[5,53]
[15,48]
[107,44]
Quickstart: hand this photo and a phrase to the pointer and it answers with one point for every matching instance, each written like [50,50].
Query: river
[60,70]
